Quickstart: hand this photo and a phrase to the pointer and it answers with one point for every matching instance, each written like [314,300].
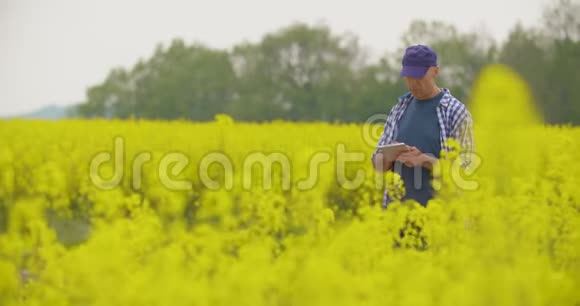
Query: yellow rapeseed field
[106,212]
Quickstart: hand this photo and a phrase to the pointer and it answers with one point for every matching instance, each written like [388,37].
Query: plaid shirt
[454,121]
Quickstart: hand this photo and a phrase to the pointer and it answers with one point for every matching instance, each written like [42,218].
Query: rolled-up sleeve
[387,134]
[465,137]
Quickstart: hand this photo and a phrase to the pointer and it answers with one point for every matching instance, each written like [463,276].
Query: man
[424,119]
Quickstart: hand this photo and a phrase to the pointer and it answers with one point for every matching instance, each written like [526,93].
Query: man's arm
[379,162]
[466,140]
[414,157]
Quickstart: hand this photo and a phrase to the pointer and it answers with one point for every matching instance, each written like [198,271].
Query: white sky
[52,50]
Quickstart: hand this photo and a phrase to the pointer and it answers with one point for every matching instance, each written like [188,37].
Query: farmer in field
[423,119]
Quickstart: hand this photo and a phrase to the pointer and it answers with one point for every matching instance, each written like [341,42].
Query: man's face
[423,86]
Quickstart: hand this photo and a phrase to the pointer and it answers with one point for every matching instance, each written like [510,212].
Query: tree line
[308,73]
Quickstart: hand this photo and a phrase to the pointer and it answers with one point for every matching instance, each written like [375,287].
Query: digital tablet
[390,151]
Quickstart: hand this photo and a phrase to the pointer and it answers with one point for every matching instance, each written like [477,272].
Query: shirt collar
[444,100]
[446,97]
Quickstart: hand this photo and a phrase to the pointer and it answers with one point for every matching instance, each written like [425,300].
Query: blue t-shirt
[419,127]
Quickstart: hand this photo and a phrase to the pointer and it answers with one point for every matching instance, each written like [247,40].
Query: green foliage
[308,73]
[549,59]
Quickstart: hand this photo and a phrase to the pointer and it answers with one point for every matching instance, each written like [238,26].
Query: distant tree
[308,73]
[109,98]
[561,20]
[562,28]
[377,90]
[190,82]
[297,73]
[525,52]
[548,57]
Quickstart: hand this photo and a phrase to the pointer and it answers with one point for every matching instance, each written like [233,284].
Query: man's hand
[385,163]
[414,157]
[392,156]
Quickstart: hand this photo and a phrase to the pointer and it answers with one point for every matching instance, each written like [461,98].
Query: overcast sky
[52,50]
